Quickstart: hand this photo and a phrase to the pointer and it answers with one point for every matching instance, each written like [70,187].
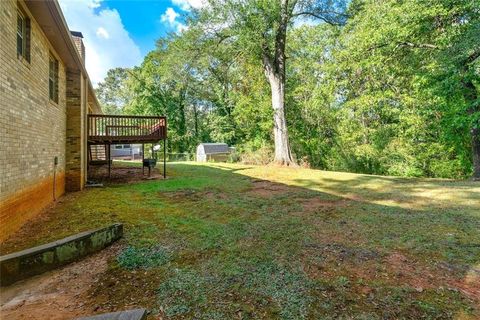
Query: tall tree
[112,92]
[312,107]
[259,28]
[423,56]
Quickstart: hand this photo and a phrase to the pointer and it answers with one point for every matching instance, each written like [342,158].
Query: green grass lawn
[227,241]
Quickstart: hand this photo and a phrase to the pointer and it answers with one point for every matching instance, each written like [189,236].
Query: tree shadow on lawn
[236,246]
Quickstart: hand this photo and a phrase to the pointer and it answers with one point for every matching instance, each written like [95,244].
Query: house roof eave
[49,16]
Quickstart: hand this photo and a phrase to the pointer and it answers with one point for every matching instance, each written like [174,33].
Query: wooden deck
[119,129]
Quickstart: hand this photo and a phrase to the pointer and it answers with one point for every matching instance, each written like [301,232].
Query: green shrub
[261,156]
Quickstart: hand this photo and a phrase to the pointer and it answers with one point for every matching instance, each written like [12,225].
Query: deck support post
[164,158]
[89,158]
[143,158]
[109,161]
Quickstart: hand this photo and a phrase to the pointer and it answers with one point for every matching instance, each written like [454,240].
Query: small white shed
[212,152]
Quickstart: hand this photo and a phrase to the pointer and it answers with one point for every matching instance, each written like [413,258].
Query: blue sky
[142,19]
[119,33]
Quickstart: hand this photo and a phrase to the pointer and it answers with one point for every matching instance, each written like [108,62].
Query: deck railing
[112,128]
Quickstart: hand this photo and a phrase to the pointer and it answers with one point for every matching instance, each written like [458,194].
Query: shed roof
[211,148]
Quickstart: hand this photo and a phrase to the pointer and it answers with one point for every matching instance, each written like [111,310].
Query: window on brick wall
[23,36]
[53,79]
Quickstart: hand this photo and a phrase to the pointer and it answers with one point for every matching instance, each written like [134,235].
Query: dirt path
[58,294]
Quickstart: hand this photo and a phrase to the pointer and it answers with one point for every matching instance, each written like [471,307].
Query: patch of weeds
[289,289]
[343,282]
[183,291]
[402,302]
[214,315]
[442,303]
[282,292]
[143,258]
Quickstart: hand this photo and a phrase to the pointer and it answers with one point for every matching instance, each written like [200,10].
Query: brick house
[45,97]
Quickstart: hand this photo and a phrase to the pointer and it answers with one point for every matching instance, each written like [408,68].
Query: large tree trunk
[275,67]
[283,154]
[182,122]
[474,130]
[475,133]
[471,97]
[195,120]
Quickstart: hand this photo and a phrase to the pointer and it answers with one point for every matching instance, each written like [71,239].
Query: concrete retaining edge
[136,314]
[24,264]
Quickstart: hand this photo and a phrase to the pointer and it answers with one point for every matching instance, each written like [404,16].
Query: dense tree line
[383,87]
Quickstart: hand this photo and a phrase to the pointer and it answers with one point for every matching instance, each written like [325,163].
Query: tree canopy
[381,87]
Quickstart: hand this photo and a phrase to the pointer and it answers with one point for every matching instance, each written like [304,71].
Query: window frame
[23,35]
[53,78]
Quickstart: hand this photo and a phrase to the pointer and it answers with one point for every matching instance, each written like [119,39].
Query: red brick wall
[25,204]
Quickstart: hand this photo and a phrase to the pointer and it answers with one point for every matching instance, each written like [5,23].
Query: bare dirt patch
[334,259]
[410,272]
[320,205]
[443,274]
[121,289]
[343,253]
[267,189]
[123,174]
[59,294]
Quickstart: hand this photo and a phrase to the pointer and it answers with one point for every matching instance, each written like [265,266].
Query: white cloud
[107,42]
[186,5]
[102,33]
[94,3]
[170,17]
[181,27]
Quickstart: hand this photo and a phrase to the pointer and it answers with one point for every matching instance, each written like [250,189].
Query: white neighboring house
[131,151]
[212,152]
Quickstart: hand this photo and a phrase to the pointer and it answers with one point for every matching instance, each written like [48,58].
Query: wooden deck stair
[97,154]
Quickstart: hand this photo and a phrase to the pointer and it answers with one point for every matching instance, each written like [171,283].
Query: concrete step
[135,314]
